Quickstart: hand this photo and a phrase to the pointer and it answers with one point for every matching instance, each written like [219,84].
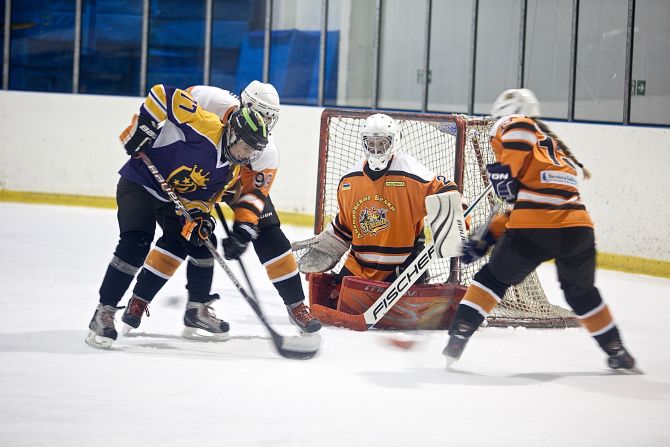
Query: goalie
[380,222]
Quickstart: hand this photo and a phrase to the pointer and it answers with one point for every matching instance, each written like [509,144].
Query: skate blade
[635,371]
[126,329]
[197,334]
[96,341]
[450,362]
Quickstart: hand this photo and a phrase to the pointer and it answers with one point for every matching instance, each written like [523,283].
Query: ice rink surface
[513,387]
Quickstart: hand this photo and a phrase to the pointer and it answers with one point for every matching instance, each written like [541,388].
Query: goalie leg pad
[319,253]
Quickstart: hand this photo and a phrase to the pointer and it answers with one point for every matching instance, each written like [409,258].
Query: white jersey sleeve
[214,99]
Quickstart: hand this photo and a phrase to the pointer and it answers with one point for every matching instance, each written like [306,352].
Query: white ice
[511,388]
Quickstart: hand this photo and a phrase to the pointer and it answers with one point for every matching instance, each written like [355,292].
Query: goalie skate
[102,332]
[201,323]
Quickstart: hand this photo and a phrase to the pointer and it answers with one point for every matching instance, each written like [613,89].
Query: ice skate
[459,334]
[300,317]
[620,359]
[102,332]
[201,323]
[132,316]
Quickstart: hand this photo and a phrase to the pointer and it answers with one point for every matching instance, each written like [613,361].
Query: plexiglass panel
[176,43]
[650,100]
[497,64]
[294,52]
[450,55]
[238,36]
[350,53]
[601,60]
[110,59]
[402,54]
[42,45]
[547,58]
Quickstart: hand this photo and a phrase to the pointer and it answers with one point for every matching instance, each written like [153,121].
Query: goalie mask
[245,137]
[517,101]
[379,135]
[264,99]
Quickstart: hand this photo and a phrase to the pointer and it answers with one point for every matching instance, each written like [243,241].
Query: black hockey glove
[476,248]
[199,230]
[505,185]
[239,239]
[140,135]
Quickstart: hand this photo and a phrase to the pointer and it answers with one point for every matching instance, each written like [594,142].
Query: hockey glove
[505,185]
[239,239]
[140,135]
[476,248]
[199,229]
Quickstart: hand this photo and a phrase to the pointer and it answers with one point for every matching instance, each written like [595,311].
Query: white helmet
[264,99]
[379,134]
[516,101]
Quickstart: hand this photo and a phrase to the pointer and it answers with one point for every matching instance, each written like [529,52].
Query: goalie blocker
[359,303]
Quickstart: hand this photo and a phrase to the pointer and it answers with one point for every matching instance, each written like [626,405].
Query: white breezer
[321,252]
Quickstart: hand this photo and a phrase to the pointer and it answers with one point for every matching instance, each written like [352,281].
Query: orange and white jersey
[256,179]
[383,218]
[548,194]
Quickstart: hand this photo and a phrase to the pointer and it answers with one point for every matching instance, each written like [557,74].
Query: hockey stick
[289,347]
[398,287]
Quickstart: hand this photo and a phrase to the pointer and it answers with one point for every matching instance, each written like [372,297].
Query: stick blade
[296,347]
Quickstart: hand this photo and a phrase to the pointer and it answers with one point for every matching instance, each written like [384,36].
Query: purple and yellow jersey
[255,179]
[187,152]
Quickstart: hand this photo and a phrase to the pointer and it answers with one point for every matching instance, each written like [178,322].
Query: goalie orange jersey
[383,218]
[548,194]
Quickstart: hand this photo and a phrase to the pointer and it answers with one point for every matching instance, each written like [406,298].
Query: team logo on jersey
[185,179]
[373,220]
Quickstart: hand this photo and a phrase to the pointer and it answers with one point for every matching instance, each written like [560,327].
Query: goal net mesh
[458,147]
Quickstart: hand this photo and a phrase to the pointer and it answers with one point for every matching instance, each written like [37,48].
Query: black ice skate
[298,315]
[201,323]
[459,334]
[102,332]
[132,316]
[620,359]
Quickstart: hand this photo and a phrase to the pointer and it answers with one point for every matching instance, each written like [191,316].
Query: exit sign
[638,88]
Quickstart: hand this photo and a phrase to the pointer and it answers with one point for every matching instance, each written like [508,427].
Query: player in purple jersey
[200,155]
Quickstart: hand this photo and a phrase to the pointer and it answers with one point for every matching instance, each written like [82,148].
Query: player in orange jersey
[537,173]
[381,210]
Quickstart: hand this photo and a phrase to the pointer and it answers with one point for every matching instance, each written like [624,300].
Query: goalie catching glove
[199,229]
[140,135]
[323,251]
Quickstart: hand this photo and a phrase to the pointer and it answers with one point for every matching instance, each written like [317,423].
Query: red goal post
[458,147]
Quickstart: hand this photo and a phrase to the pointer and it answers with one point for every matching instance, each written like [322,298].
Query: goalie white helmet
[380,135]
[264,99]
[516,101]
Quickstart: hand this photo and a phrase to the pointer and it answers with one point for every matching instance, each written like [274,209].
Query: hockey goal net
[456,146]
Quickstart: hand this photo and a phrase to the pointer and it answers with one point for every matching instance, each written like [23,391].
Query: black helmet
[249,126]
